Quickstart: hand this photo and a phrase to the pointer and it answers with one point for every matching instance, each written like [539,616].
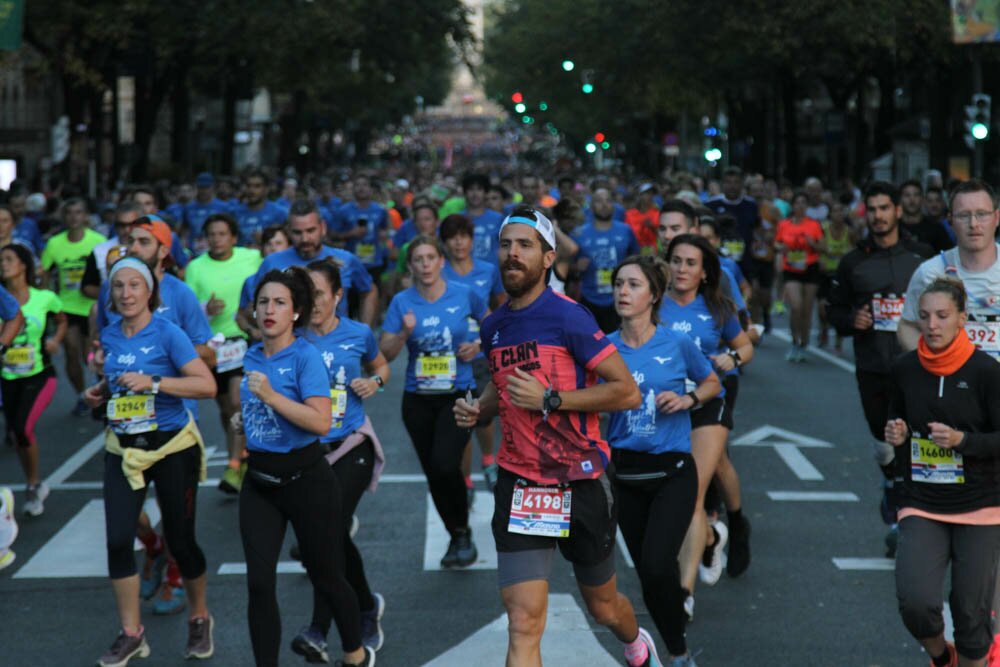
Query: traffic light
[713,155]
[591,147]
[517,98]
[520,107]
[605,145]
[568,65]
[977,121]
[599,137]
[542,106]
[587,88]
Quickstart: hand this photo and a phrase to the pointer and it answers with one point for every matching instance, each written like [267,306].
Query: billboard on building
[975,21]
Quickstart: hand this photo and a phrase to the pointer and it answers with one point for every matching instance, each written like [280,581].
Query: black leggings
[654,515]
[354,473]
[925,549]
[312,504]
[24,400]
[176,478]
[440,444]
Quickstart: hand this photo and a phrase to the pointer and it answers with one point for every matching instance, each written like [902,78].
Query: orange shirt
[798,255]
[643,224]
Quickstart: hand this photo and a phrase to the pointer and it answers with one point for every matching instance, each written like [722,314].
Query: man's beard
[884,232]
[531,276]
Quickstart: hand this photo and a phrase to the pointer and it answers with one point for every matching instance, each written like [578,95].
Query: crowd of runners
[585,337]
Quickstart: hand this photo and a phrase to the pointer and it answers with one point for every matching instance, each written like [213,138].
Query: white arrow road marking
[813,496]
[786,444]
[568,640]
[79,548]
[436,537]
[762,433]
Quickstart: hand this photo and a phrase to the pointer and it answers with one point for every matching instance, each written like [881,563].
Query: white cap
[534,219]
[403,184]
[34,203]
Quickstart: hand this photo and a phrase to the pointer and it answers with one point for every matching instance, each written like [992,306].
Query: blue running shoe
[172,601]
[311,644]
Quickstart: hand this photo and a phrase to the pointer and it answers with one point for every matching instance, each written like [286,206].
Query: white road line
[436,538]
[624,549]
[822,354]
[284,567]
[871,564]
[568,640]
[76,461]
[798,462]
[813,496]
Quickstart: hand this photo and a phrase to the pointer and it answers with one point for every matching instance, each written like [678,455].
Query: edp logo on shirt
[683,327]
[432,321]
[126,359]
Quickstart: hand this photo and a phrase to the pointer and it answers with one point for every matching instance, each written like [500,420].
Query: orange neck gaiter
[950,359]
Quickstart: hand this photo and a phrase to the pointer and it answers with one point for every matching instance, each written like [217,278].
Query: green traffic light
[980,131]
[520,108]
[568,65]
[591,147]
[527,120]
[542,106]
[587,88]
[605,145]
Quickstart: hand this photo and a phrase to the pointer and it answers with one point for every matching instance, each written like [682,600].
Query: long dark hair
[26,258]
[656,271]
[299,284]
[720,305]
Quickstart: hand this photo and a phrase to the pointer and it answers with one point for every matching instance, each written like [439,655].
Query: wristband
[694,397]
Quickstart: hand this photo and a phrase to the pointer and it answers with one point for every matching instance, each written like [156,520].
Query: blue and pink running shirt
[558,341]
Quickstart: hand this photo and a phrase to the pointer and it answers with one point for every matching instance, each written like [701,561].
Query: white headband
[135,264]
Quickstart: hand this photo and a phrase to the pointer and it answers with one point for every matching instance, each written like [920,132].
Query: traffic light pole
[977,87]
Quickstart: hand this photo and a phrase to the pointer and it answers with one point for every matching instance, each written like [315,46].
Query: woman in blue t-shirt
[150,366]
[356,371]
[656,483]
[285,398]
[695,304]
[431,319]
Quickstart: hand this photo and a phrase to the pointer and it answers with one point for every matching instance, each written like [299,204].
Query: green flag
[11,21]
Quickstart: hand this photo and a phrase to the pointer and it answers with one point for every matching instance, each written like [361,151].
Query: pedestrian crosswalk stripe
[568,640]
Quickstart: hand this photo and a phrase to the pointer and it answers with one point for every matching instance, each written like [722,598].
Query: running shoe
[8,522]
[681,661]
[710,569]
[368,661]
[152,574]
[7,558]
[689,607]
[490,474]
[124,649]
[739,547]
[35,495]
[371,629]
[171,601]
[311,644]
[232,481]
[953,662]
[355,524]
[653,660]
[461,550]
[199,643]
[792,354]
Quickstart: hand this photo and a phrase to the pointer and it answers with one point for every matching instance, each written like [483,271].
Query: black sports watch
[156,384]
[736,358]
[551,401]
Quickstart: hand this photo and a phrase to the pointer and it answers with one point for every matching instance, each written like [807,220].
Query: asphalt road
[795,605]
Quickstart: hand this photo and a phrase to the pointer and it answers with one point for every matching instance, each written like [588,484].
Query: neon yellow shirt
[70,259]
[207,276]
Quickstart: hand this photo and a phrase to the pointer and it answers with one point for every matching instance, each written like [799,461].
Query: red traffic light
[517,98]
[599,137]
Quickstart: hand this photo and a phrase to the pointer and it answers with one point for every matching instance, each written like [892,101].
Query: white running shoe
[710,574]
[8,524]
[34,503]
